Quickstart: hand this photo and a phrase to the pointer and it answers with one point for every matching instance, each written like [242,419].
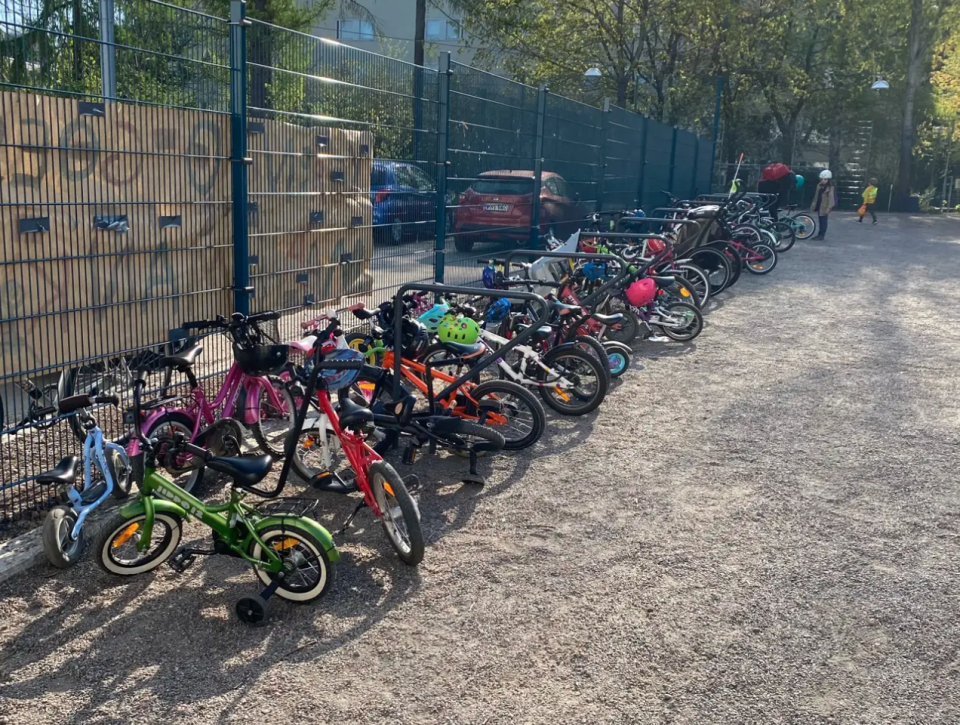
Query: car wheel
[396,232]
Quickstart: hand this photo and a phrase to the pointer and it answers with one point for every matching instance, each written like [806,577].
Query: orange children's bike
[506,407]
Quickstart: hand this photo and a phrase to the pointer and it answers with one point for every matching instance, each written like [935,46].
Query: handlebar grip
[263,317]
[107,400]
[198,325]
[73,403]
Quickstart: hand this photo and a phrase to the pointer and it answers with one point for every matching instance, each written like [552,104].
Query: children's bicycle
[63,540]
[292,555]
[384,491]
[249,394]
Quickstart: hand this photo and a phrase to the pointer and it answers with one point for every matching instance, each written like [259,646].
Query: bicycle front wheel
[117,551]
[399,514]
[274,421]
[511,410]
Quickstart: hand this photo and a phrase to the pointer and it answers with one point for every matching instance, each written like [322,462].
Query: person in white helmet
[824,199]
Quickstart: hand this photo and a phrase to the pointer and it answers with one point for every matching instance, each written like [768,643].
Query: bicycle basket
[261,359]
[336,379]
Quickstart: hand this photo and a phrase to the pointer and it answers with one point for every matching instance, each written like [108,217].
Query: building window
[354,30]
[444,30]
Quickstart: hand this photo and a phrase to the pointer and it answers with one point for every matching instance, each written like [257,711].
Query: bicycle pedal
[182,560]
[412,482]
[410,455]
[474,479]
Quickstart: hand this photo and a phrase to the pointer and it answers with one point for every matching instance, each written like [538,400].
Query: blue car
[404,202]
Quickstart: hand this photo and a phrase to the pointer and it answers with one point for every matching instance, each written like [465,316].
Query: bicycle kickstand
[346,525]
[474,476]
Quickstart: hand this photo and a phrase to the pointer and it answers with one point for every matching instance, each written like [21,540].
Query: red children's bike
[321,431]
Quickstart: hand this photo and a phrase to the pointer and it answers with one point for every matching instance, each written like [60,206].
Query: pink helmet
[642,292]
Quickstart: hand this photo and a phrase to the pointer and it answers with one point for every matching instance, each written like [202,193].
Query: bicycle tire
[456,430]
[287,531]
[629,325]
[697,278]
[61,550]
[120,473]
[808,222]
[786,236]
[271,447]
[591,402]
[119,526]
[716,266]
[537,414]
[768,252]
[596,348]
[74,384]
[689,333]
[732,254]
[177,419]
[410,551]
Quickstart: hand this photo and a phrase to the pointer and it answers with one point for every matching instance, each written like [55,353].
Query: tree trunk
[833,160]
[914,78]
[622,84]
[261,55]
[77,44]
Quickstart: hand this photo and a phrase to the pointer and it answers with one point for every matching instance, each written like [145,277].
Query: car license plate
[496,207]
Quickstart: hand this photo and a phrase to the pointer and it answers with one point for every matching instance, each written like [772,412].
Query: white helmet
[826,174]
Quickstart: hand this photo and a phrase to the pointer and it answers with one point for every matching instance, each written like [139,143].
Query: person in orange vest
[869,199]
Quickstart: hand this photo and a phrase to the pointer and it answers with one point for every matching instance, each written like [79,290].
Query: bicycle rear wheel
[312,574]
[400,516]
[589,381]
[805,225]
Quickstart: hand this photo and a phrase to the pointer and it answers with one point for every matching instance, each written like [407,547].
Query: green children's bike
[293,556]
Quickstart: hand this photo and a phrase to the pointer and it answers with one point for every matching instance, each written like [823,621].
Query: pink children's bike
[251,397]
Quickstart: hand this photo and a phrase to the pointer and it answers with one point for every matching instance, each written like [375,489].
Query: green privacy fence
[166,164]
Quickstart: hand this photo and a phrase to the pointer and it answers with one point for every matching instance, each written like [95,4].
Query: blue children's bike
[63,528]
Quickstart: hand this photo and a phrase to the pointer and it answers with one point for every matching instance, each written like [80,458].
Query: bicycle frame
[221,518]
[359,454]
[204,413]
[93,455]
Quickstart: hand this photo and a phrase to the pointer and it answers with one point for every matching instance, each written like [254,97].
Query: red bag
[775,172]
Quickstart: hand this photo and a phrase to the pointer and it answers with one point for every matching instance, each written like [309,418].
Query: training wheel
[253,610]
[474,479]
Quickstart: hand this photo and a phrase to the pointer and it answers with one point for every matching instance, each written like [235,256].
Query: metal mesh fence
[162,165]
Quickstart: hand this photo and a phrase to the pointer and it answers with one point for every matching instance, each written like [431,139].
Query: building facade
[388,28]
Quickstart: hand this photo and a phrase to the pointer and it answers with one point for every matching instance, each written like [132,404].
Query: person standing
[824,200]
[869,199]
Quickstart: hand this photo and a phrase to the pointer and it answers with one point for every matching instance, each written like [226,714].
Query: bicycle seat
[613,319]
[182,360]
[246,471]
[363,313]
[664,281]
[463,350]
[565,309]
[352,414]
[540,335]
[65,473]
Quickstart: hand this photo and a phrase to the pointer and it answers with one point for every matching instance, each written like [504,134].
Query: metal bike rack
[487,360]
[624,268]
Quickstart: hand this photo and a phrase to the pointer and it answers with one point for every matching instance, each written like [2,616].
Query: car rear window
[507,187]
[379,176]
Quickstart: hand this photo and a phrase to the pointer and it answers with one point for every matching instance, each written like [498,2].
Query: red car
[498,205]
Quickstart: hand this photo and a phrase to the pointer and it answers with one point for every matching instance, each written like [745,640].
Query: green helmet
[458,329]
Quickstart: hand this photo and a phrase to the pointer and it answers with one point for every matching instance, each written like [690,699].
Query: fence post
[673,159]
[643,163]
[238,154]
[108,53]
[443,141]
[538,168]
[696,167]
[604,132]
[716,131]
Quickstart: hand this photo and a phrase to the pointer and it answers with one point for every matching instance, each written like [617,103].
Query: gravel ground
[759,527]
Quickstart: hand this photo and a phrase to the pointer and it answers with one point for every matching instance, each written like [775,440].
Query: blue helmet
[498,310]
[799,181]
[594,272]
[635,213]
